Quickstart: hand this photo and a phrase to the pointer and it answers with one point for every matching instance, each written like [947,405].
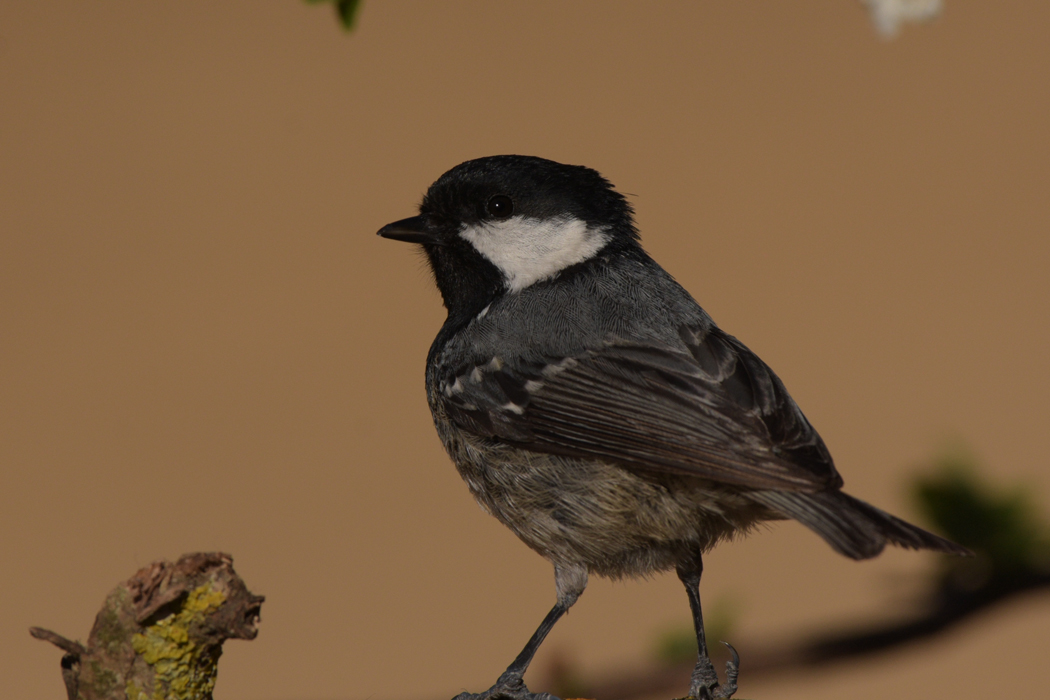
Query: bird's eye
[500,206]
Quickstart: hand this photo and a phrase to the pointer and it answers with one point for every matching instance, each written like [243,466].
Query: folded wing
[709,408]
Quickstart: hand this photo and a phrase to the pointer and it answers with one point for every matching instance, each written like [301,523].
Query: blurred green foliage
[346,10]
[678,644]
[1002,526]
[675,645]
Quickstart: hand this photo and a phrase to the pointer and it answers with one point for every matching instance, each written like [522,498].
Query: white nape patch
[531,250]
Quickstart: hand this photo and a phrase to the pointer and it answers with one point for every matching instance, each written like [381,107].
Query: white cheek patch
[530,250]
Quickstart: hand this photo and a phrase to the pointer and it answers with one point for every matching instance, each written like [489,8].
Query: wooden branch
[160,633]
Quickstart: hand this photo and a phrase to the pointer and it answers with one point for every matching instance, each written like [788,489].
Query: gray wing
[712,409]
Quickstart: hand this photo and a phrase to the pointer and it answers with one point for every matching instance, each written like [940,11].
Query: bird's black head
[500,224]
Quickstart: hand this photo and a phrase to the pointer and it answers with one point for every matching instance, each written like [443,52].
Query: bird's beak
[410,230]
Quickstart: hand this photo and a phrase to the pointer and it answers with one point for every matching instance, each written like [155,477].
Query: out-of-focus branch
[160,633]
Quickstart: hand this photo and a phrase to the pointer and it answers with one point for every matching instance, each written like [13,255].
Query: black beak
[411,230]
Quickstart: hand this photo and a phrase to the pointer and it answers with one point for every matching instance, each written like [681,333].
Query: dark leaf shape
[1002,526]
[346,10]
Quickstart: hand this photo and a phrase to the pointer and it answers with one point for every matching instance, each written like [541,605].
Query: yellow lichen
[133,692]
[182,669]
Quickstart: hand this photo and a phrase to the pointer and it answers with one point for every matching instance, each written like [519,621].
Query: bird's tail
[851,526]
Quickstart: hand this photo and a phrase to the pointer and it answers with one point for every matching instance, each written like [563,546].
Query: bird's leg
[511,679]
[570,582]
[704,684]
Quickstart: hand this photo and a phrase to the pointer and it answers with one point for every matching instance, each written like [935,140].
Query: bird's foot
[508,687]
[704,684]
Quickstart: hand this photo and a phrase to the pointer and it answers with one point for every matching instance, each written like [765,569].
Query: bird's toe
[507,688]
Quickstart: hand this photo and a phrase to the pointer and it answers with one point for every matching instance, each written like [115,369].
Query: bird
[594,408]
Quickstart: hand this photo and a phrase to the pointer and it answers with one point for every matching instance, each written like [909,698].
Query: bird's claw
[705,685]
[732,671]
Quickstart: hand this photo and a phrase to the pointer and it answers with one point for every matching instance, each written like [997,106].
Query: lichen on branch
[159,634]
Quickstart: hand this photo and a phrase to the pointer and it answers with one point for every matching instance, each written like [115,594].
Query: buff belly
[613,521]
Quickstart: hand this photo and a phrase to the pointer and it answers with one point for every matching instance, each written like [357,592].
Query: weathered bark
[159,634]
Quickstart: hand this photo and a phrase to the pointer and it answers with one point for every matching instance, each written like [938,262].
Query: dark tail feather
[851,526]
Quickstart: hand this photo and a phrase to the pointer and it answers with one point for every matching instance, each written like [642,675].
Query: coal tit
[595,409]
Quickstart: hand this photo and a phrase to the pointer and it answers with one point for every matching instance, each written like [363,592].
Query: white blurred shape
[889,14]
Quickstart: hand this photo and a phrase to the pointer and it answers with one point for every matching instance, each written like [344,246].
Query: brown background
[204,345]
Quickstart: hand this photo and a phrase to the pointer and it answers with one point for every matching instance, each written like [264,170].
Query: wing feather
[710,408]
